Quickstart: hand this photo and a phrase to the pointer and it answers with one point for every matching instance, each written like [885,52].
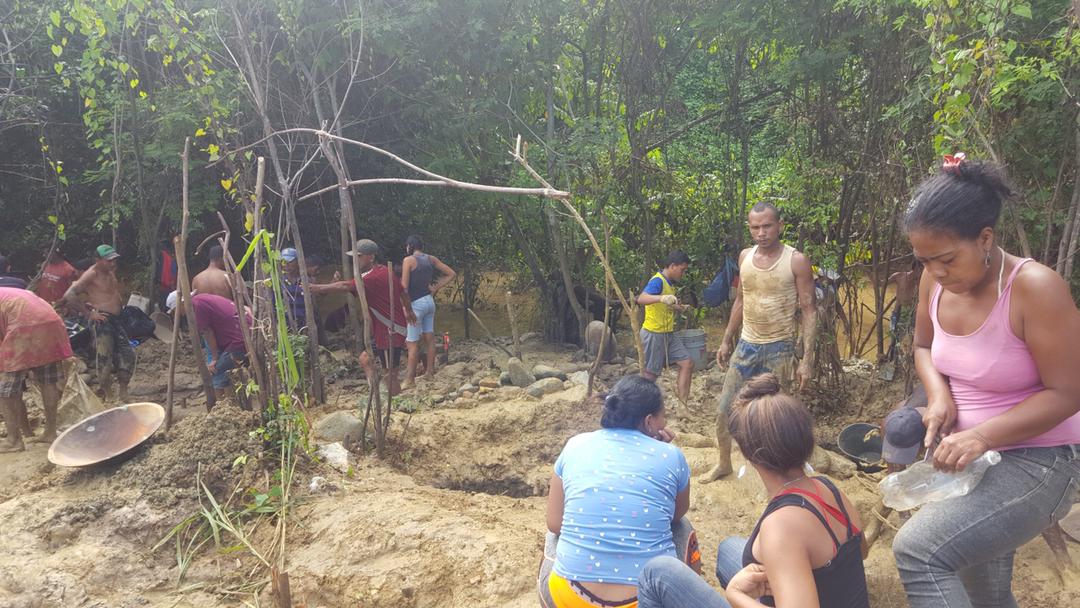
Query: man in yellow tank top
[775,283]
[661,348]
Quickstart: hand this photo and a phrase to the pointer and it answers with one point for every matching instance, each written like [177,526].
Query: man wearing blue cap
[97,296]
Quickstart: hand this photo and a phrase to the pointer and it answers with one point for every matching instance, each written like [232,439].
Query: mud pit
[454,517]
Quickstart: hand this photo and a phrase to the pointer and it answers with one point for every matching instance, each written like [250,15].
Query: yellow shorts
[565,596]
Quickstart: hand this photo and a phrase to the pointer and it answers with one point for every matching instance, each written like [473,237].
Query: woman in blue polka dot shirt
[614,498]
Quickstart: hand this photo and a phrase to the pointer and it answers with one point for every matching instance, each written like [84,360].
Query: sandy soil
[453,517]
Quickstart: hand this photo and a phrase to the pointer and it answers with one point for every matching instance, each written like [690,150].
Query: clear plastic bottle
[922,483]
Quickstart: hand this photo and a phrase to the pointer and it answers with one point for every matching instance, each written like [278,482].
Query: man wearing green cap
[97,296]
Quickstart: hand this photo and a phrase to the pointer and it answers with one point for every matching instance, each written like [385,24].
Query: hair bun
[762,385]
[988,175]
[611,402]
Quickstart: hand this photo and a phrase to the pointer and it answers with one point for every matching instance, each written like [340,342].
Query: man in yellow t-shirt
[661,348]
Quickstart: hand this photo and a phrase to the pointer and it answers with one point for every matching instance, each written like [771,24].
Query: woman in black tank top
[805,549]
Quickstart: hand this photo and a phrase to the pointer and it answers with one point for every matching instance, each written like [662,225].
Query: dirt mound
[500,447]
[201,443]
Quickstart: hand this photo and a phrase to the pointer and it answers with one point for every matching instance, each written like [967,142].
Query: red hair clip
[952,163]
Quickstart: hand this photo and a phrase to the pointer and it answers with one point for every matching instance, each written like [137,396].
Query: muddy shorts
[751,359]
[384,355]
[11,383]
[661,350]
[112,347]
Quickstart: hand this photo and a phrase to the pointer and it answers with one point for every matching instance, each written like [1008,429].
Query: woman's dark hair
[960,200]
[629,402]
[414,243]
[772,429]
[676,257]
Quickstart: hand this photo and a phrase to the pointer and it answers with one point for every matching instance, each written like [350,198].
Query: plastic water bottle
[922,483]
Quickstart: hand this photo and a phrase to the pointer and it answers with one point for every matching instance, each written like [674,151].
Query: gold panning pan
[163,325]
[106,434]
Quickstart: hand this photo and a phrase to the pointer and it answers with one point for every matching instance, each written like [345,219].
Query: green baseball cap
[107,252]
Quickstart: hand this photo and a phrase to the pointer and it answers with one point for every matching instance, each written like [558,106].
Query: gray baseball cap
[364,247]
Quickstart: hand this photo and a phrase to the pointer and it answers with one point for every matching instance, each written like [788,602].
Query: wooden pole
[513,324]
[171,382]
[337,164]
[391,373]
[180,244]
[607,312]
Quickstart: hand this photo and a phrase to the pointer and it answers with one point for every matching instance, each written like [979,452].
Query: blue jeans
[958,553]
[226,361]
[424,309]
[666,582]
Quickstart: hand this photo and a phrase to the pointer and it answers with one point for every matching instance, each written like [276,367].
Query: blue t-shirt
[654,287]
[620,487]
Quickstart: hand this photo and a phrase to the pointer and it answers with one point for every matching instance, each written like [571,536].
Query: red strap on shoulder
[837,514]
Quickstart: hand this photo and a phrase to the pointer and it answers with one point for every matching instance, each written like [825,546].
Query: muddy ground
[453,516]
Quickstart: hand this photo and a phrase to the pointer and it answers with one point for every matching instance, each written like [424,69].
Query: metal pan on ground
[106,435]
[1070,524]
[861,442]
[163,325]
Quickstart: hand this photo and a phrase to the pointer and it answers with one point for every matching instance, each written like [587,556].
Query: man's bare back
[213,280]
[98,289]
[907,286]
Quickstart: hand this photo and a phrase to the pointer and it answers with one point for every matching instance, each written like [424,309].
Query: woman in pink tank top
[997,346]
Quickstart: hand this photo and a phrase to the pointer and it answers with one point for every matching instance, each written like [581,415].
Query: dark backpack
[719,291]
[136,323]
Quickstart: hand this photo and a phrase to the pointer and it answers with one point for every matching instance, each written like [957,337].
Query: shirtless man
[97,296]
[907,296]
[214,280]
[776,281]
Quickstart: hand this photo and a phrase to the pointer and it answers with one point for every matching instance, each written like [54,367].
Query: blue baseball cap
[288,254]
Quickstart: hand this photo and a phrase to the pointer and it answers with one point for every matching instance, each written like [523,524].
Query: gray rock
[438,398]
[334,427]
[531,336]
[504,379]
[581,378]
[453,395]
[508,392]
[544,371]
[544,387]
[518,375]
[468,388]
[597,334]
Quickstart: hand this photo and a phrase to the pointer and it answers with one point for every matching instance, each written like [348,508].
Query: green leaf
[57,50]
[1022,10]
[134,82]
[58,67]
[53,219]
[54,16]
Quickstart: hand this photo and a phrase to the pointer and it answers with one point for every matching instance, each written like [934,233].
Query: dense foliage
[666,118]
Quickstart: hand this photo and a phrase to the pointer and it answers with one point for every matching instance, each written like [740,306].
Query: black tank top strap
[781,501]
[825,481]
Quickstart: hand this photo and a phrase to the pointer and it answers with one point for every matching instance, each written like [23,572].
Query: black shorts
[383,355]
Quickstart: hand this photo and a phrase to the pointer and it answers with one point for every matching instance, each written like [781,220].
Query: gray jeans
[958,553]
[666,582]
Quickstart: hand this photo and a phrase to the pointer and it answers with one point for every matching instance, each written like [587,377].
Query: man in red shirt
[56,278]
[33,340]
[389,314]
